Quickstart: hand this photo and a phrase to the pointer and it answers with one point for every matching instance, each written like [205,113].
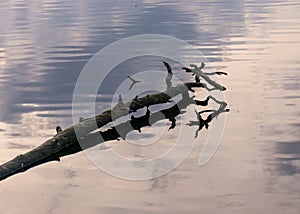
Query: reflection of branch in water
[66,142]
[84,134]
[197,79]
[173,125]
[136,123]
[205,123]
[202,103]
[133,82]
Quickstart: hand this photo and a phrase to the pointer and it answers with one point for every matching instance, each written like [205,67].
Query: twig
[199,73]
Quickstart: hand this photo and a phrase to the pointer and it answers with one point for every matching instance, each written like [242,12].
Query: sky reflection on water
[45,44]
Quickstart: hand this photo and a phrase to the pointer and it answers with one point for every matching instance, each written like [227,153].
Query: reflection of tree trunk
[204,123]
[66,143]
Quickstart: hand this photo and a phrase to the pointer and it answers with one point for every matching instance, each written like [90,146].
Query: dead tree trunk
[66,142]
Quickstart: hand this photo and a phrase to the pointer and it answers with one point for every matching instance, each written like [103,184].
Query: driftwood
[197,71]
[66,141]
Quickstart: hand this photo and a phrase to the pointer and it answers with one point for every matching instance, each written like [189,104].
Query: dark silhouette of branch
[169,76]
[217,72]
[65,142]
[205,123]
[199,73]
[173,125]
[133,82]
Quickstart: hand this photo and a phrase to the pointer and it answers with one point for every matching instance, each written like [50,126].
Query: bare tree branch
[65,142]
[199,73]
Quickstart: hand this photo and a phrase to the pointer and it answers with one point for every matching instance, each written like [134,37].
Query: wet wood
[66,141]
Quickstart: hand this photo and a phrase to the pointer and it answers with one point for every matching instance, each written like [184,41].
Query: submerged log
[83,135]
[65,142]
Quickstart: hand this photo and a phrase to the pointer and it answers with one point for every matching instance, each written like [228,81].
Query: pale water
[45,44]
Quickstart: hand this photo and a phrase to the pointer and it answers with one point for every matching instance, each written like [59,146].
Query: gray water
[44,46]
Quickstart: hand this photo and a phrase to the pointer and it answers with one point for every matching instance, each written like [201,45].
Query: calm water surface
[43,48]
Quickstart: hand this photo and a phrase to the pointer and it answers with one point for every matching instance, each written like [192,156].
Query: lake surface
[44,46]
